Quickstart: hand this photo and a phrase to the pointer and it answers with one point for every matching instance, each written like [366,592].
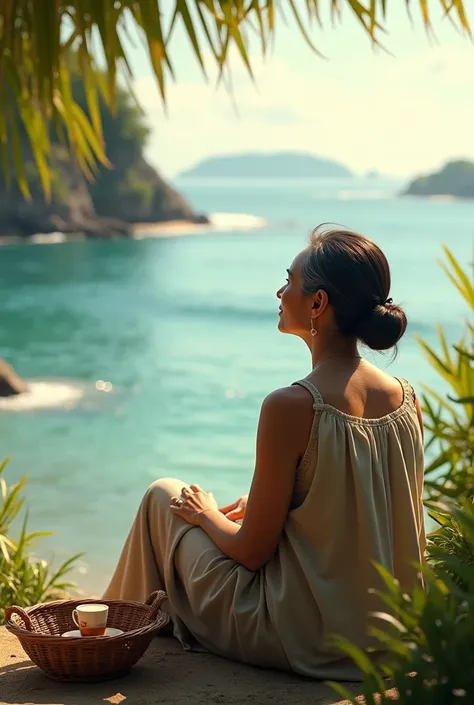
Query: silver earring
[313,329]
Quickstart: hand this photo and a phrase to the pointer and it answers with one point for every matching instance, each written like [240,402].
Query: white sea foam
[218,223]
[236,221]
[48,238]
[44,395]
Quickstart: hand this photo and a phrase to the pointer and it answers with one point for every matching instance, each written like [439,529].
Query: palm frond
[37,39]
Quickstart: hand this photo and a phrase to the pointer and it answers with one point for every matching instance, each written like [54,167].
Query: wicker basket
[39,630]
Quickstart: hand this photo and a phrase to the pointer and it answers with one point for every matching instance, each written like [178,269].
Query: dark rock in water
[200,220]
[10,383]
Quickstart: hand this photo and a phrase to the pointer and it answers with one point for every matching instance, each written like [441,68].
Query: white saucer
[110,631]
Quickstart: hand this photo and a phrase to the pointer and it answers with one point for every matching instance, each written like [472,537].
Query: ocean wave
[55,394]
[365,195]
[218,223]
[44,395]
[232,222]
[48,238]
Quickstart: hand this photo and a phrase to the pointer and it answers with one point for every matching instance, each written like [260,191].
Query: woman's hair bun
[355,274]
[383,327]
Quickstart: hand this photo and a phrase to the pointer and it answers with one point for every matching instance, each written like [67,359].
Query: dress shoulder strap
[315,393]
[409,396]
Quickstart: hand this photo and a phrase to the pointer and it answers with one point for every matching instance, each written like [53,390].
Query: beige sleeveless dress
[357,498]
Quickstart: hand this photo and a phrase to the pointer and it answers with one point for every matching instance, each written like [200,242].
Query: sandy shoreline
[171,228]
[138,231]
[218,222]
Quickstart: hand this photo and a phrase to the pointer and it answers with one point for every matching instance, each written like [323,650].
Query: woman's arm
[283,433]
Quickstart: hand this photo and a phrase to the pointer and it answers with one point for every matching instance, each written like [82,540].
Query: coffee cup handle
[75,618]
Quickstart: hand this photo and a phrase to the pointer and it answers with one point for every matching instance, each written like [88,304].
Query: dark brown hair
[355,274]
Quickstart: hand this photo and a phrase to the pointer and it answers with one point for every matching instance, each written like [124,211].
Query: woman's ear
[320,302]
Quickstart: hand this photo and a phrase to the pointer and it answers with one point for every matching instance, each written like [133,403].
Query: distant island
[375,174]
[292,165]
[456,179]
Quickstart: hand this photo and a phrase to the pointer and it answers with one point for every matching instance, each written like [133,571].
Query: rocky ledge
[165,674]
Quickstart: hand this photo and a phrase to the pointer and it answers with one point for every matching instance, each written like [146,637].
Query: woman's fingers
[196,488]
[230,507]
[235,514]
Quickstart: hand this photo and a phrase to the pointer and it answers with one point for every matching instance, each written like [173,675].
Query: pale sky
[403,113]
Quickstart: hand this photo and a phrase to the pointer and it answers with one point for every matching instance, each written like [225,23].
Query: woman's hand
[236,510]
[193,503]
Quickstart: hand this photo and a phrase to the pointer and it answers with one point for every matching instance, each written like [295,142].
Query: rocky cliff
[129,192]
[70,209]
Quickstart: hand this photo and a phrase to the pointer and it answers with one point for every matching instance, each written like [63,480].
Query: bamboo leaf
[90,89]
[301,27]
[37,39]
[87,131]
[390,619]
[462,400]
[18,160]
[149,18]
[458,277]
[342,691]
[183,11]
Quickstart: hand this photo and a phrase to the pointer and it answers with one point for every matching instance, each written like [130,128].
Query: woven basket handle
[155,600]
[21,613]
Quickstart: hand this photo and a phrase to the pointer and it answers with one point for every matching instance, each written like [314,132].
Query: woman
[337,485]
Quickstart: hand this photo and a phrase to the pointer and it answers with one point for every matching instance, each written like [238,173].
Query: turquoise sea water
[185,331]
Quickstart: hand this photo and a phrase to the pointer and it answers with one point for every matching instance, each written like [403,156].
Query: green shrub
[449,420]
[424,643]
[451,547]
[24,579]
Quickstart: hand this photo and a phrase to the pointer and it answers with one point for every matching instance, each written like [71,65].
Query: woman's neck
[322,349]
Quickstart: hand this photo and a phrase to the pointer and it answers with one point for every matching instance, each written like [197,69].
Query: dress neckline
[320,405]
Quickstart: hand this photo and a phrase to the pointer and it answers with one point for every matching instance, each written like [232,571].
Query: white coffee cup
[91,619]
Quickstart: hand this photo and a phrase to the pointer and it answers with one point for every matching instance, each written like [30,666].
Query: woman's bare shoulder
[288,412]
[292,397]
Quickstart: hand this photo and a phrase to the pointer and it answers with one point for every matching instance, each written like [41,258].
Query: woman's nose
[279,292]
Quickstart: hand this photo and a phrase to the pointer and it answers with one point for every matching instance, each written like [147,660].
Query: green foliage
[36,39]
[451,546]
[24,579]
[425,644]
[449,421]
[125,186]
